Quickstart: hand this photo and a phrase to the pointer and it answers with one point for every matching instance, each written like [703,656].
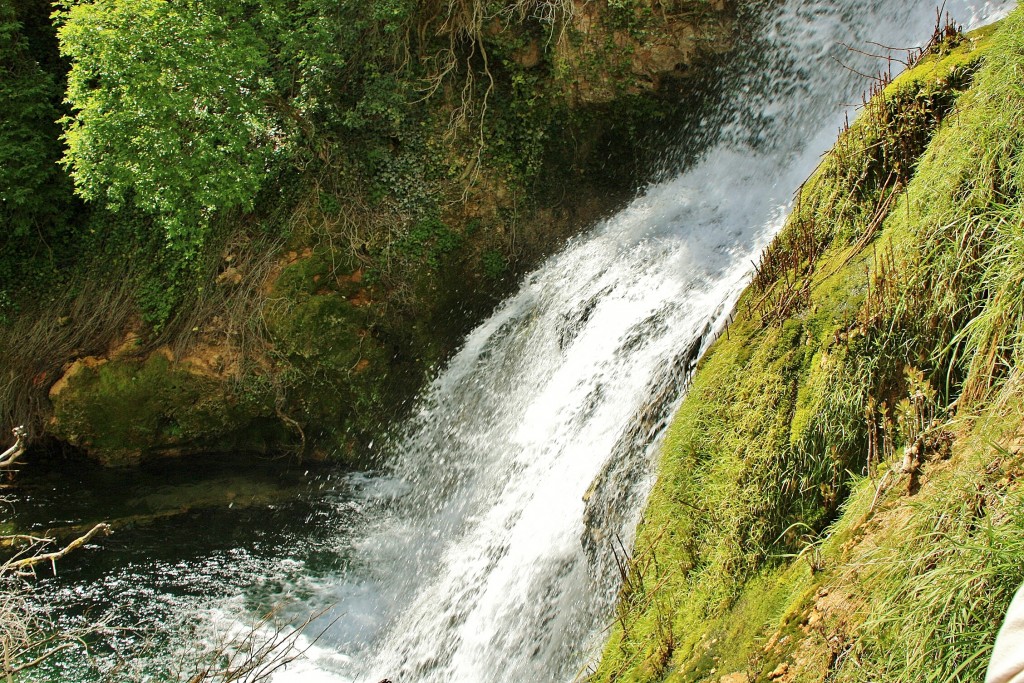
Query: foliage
[494,264]
[429,240]
[170,112]
[30,182]
[36,204]
[413,143]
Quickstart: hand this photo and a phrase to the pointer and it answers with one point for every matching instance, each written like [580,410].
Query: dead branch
[254,655]
[9,458]
[28,563]
[10,671]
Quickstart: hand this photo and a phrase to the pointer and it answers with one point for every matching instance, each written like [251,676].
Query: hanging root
[463,23]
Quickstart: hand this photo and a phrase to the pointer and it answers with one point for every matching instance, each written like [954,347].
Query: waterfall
[488,548]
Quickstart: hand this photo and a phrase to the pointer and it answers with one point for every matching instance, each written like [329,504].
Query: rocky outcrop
[621,47]
[391,260]
[127,408]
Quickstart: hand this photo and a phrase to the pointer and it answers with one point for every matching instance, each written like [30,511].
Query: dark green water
[187,536]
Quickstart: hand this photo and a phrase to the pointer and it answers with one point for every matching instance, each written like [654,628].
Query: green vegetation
[324,323]
[30,184]
[179,153]
[168,109]
[121,407]
[35,197]
[836,498]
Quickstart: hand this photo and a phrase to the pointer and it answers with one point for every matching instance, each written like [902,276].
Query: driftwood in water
[9,458]
[20,565]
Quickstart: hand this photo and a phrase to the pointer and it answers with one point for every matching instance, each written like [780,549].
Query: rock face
[127,409]
[617,48]
[346,323]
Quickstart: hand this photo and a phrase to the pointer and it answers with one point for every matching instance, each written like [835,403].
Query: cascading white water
[489,553]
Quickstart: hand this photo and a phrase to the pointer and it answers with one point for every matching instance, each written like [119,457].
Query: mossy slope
[836,497]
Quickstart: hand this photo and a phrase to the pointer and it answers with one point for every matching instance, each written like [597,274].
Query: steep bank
[837,496]
[291,285]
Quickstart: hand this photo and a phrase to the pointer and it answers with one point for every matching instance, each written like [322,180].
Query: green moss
[319,272]
[865,302]
[125,410]
[336,374]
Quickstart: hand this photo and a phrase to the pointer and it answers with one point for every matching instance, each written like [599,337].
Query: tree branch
[41,658]
[31,562]
[9,458]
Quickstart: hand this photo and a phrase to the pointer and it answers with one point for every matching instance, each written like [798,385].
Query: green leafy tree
[169,109]
[30,180]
